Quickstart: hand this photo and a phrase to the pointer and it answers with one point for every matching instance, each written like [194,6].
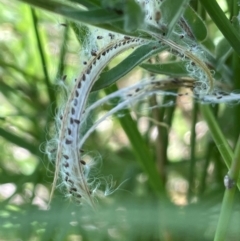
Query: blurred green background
[37,49]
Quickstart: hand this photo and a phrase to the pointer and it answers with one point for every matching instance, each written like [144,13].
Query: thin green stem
[210,146]
[228,199]
[192,153]
[140,149]
[218,137]
[63,52]
[50,90]
[225,215]
[223,24]
[236,75]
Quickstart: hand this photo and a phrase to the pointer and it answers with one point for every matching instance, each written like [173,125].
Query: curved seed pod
[68,137]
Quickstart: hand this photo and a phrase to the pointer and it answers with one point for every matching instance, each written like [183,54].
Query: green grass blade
[95,16]
[223,24]
[176,68]
[51,93]
[218,137]
[171,12]
[228,200]
[196,24]
[133,16]
[19,141]
[140,149]
[192,168]
[63,52]
[220,140]
[88,3]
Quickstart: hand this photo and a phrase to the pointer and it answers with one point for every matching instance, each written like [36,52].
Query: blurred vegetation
[38,47]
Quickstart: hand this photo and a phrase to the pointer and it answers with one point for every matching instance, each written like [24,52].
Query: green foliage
[161,165]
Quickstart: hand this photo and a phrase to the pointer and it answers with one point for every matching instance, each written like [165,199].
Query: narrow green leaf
[26,75]
[88,3]
[219,138]
[92,16]
[18,141]
[171,12]
[197,26]
[81,31]
[133,16]
[236,23]
[96,16]
[177,69]
[51,93]
[224,25]
[140,149]
[223,50]
[134,59]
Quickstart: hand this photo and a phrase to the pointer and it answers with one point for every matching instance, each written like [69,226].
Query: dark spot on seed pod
[66,178]
[94,53]
[157,16]
[61,117]
[94,62]
[111,35]
[99,37]
[71,120]
[66,164]
[127,37]
[77,121]
[75,102]
[73,111]
[84,62]
[78,195]
[83,162]
[89,70]
[70,181]
[74,189]
[175,81]
[53,150]
[67,173]
[84,77]
[76,93]
[69,131]
[79,84]
[99,56]
[104,53]
[64,77]
[68,142]
[66,157]
[137,89]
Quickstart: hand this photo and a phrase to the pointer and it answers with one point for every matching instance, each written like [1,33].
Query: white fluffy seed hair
[65,146]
